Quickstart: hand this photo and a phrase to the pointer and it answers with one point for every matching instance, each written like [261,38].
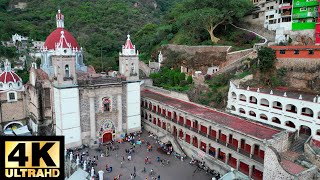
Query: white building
[288,110]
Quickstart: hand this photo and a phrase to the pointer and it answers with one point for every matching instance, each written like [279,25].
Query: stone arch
[264,102]
[252,113]
[242,97]
[305,111]
[277,105]
[291,108]
[318,132]
[276,120]
[253,100]
[242,111]
[10,123]
[264,117]
[234,95]
[290,124]
[305,130]
[233,108]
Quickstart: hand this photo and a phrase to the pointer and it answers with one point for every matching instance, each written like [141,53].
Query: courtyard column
[238,164]
[227,159]
[251,150]
[92,117]
[119,108]
[207,148]
[250,170]
[199,144]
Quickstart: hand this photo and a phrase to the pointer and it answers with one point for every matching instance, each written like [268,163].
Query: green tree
[266,59]
[189,79]
[209,14]
[182,76]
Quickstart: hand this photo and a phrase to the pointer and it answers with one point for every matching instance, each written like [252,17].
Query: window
[1,85]
[255,16]
[67,71]
[18,84]
[106,104]
[10,85]
[303,9]
[271,7]
[267,17]
[11,96]
[296,51]
[311,52]
[282,51]
[271,16]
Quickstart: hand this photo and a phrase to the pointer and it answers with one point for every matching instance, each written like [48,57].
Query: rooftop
[295,47]
[290,93]
[291,167]
[238,124]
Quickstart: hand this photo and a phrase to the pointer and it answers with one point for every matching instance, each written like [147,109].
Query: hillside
[100,26]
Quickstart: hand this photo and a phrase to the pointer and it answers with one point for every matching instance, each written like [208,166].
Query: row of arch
[305,111]
[276,121]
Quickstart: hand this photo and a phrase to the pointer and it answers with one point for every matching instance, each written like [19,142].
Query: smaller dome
[7,77]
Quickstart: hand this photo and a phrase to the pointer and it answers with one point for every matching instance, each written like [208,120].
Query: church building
[66,97]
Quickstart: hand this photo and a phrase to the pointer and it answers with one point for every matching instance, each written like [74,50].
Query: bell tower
[129,61]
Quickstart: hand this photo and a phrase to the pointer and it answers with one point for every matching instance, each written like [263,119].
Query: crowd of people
[89,163]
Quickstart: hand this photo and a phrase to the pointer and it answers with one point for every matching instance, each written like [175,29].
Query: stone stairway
[298,144]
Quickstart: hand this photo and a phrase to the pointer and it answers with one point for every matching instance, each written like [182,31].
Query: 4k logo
[31,157]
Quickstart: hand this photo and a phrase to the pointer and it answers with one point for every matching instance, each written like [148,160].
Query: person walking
[159,177]
[134,169]
[122,158]
[121,164]
[131,176]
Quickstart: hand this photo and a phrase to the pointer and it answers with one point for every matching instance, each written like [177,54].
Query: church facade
[66,97]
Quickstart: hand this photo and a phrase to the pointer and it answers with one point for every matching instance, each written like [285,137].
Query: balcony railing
[180,123]
[231,146]
[187,126]
[212,138]
[194,129]
[221,142]
[257,158]
[243,152]
[174,120]
[203,133]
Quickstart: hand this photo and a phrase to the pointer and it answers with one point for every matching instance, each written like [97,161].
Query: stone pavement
[176,170]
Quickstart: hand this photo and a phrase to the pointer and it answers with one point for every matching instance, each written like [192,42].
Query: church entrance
[107,137]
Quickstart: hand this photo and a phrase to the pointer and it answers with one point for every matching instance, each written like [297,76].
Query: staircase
[298,144]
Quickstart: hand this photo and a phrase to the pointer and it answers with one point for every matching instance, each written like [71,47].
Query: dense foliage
[171,79]
[266,59]
[100,26]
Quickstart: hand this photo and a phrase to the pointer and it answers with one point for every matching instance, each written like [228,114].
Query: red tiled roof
[128,44]
[54,38]
[286,7]
[291,167]
[41,74]
[295,47]
[238,124]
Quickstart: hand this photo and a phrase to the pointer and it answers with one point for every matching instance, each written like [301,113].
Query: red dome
[54,37]
[6,77]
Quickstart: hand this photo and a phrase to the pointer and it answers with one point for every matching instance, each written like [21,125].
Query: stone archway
[10,123]
[107,137]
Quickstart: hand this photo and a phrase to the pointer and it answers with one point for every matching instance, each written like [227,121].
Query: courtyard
[175,170]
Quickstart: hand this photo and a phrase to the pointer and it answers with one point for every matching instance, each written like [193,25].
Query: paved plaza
[176,170]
